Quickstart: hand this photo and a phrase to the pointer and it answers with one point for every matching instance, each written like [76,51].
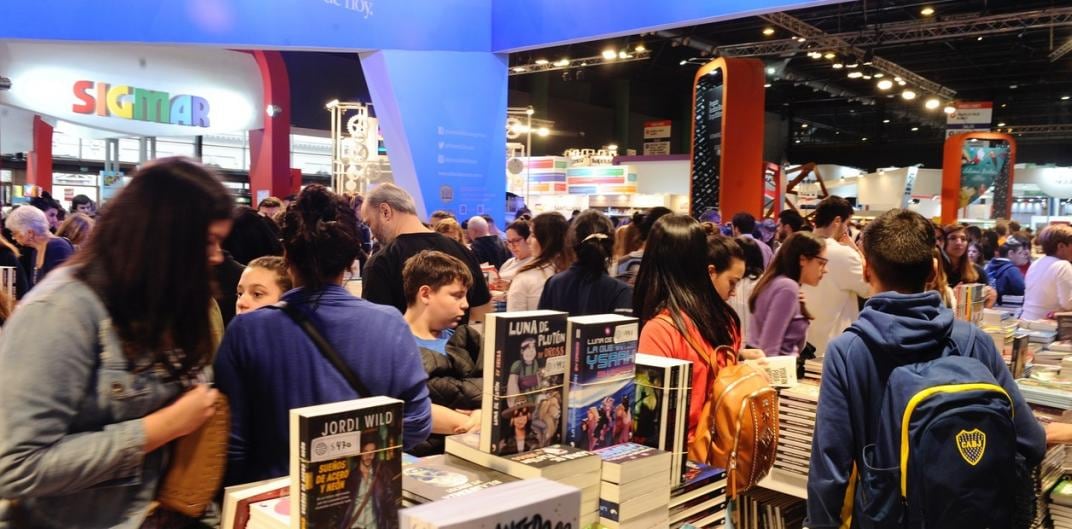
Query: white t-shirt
[526,288]
[833,303]
[1048,288]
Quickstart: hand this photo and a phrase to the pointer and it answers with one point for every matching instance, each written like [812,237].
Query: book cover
[525,365]
[681,421]
[443,476]
[600,414]
[552,462]
[346,464]
[655,378]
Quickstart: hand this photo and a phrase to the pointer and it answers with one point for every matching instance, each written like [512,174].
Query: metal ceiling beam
[1063,50]
[911,31]
[1033,130]
[808,32]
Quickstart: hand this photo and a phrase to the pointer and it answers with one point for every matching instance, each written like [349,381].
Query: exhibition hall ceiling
[1014,53]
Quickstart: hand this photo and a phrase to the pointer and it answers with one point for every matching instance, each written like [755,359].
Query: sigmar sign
[142,104]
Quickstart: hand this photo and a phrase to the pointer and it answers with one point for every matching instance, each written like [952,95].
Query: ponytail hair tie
[598,236]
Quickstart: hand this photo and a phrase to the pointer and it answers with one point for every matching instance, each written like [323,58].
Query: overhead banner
[984,165]
[974,165]
[135,90]
[969,117]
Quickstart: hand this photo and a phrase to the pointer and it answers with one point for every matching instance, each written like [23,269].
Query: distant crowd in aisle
[125,317]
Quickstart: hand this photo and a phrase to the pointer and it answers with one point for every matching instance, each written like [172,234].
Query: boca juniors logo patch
[972,445]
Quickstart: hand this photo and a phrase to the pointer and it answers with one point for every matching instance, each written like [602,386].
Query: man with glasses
[835,301]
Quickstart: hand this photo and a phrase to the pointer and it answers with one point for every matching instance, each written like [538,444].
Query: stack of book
[661,417]
[699,503]
[527,503]
[602,384]
[238,499]
[970,298]
[1054,468]
[525,365]
[270,514]
[1053,394]
[562,463]
[444,476]
[1061,505]
[766,509]
[813,370]
[636,487]
[1064,325]
[796,426]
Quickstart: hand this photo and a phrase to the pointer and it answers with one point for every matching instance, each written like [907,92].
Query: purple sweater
[778,327]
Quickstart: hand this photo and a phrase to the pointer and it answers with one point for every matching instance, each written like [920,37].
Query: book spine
[487,424]
[681,455]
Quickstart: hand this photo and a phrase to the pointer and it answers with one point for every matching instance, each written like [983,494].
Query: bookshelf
[787,483]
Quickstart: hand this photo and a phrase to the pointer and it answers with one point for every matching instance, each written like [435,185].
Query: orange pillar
[39,162]
[952,160]
[735,183]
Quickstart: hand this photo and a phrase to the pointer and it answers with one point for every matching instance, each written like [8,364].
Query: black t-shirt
[382,280]
[490,249]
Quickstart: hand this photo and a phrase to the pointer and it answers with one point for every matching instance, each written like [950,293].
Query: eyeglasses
[512,242]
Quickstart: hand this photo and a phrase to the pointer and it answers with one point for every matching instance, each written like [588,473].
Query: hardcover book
[346,464]
[525,365]
[602,380]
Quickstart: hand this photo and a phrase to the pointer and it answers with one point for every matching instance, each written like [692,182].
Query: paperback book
[525,365]
[557,462]
[444,476]
[346,464]
[535,503]
[602,380]
[661,410]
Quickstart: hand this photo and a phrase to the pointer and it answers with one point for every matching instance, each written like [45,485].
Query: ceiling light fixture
[853,65]
[838,66]
[908,95]
[771,70]
[541,62]
[885,84]
[927,11]
[768,31]
[640,48]
[885,121]
[980,38]
[932,103]
[949,109]
[610,54]
[624,55]
[1064,98]
[767,85]
[855,75]
[520,69]
[543,132]
[830,55]
[914,129]
[1002,124]
[864,138]
[563,62]
[879,75]
[683,62]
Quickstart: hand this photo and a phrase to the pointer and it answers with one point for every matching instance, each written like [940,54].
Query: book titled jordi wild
[346,464]
[602,350]
[525,365]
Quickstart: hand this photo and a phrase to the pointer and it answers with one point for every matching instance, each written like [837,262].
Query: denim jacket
[71,414]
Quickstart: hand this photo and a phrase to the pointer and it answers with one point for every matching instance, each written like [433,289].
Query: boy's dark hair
[744,222]
[899,248]
[830,208]
[975,233]
[1012,244]
[434,269]
[792,219]
[1014,226]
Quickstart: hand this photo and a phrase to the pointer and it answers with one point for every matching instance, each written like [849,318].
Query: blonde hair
[76,228]
[275,264]
[452,229]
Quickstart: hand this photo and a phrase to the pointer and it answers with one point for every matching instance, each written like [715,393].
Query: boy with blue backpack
[919,424]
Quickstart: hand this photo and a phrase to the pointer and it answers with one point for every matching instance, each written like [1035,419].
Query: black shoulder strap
[324,347]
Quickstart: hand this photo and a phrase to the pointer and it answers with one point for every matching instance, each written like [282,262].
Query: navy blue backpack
[945,451]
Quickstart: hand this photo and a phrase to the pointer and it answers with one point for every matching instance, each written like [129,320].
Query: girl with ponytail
[586,287]
[268,365]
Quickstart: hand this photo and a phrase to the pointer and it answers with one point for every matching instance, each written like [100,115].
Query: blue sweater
[266,366]
[893,330]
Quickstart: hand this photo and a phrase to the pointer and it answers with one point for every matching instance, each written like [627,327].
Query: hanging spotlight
[640,48]
[932,103]
[563,62]
[852,65]
[541,62]
[1002,124]
[683,62]
[879,75]
[771,70]
[855,75]
[927,11]
[838,66]
[949,109]
[885,84]
[885,121]
[815,55]
[624,55]
[867,77]
[768,31]
[519,69]
[830,55]
[610,54]
[908,95]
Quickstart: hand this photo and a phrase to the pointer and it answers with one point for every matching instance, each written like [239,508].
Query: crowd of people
[174,287]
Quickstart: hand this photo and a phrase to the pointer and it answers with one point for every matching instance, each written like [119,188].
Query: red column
[270,147]
[39,163]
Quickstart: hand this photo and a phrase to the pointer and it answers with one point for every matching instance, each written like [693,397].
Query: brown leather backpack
[738,428]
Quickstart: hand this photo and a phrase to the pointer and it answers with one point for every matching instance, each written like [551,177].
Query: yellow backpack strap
[850,498]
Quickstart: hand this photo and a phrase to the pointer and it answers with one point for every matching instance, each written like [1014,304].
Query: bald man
[488,248]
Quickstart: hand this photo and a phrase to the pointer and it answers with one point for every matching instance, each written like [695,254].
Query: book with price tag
[525,366]
[346,464]
[782,370]
[602,351]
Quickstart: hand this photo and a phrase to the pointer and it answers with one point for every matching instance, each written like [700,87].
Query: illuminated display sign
[142,104]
